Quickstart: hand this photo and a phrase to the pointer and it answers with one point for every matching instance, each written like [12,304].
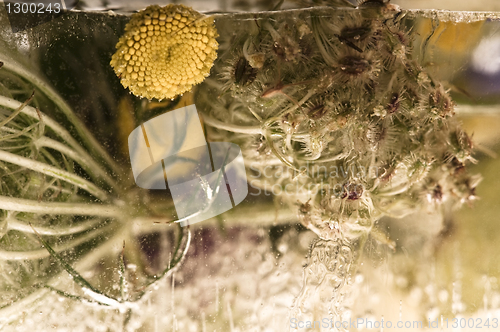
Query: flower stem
[83,155]
[43,253]
[20,225]
[54,172]
[230,127]
[88,164]
[83,209]
[88,139]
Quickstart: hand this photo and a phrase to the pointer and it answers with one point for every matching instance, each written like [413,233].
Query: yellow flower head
[165,51]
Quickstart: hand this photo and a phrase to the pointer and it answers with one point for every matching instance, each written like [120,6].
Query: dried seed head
[351,191]
[285,46]
[244,73]
[316,111]
[354,65]
[357,33]
[394,103]
[436,194]
[460,146]
[349,93]
[357,70]
[440,102]
[237,74]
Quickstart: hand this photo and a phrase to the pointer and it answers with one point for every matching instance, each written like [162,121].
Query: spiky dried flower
[360,128]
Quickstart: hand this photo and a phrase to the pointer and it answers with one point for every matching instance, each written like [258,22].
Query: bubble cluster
[165,51]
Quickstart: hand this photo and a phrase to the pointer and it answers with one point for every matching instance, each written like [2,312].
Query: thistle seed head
[360,125]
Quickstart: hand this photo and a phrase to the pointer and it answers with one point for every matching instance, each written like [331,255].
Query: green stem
[12,311]
[83,209]
[295,106]
[16,133]
[88,164]
[19,225]
[54,172]
[16,112]
[87,288]
[255,130]
[280,156]
[79,154]
[53,125]
[320,38]
[86,136]
[43,253]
